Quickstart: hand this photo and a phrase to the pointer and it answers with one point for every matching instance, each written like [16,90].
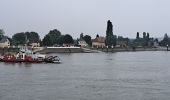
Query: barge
[27,56]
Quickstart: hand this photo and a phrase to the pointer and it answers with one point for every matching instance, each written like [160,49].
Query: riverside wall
[60,50]
[46,50]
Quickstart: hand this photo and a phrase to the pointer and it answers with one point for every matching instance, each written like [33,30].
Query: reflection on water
[17,64]
[90,76]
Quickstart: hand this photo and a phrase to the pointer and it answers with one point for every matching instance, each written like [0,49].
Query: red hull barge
[28,59]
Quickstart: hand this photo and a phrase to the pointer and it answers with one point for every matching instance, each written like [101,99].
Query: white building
[35,44]
[5,42]
[82,43]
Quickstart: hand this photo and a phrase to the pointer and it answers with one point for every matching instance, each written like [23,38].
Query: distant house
[4,42]
[68,44]
[98,41]
[34,44]
[122,42]
[82,43]
[156,43]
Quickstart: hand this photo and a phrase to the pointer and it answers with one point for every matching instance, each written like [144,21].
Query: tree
[111,41]
[137,35]
[54,34]
[120,38]
[147,36]
[110,38]
[144,35]
[156,40]
[47,40]
[32,37]
[81,36]
[165,41]
[53,37]
[87,38]
[109,31]
[1,33]
[97,35]
[19,38]
[60,40]
[68,39]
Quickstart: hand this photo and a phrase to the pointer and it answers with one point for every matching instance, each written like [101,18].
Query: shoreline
[47,50]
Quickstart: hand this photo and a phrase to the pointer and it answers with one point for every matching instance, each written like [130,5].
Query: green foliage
[47,40]
[1,33]
[138,42]
[110,41]
[147,36]
[54,36]
[137,35]
[87,38]
[19,38]
[109,31]
[110,38]
[25,38]
[32,37]
[68,39]
[144,35]
[143,42]
[165,41]
[60,40]
[120,38]
[81,36]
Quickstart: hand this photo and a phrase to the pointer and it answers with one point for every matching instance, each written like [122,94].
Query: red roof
[99,39]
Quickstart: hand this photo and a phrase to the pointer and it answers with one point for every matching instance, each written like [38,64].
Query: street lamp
[107,48]
[112,48]
[3,50]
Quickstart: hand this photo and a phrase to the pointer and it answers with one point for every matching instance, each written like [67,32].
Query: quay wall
[78,50]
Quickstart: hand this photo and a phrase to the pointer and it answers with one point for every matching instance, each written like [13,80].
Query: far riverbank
[46,50]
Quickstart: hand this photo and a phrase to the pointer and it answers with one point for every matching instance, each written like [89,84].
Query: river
[90,76]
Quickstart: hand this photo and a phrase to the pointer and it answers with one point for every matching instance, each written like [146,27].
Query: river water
[90,76]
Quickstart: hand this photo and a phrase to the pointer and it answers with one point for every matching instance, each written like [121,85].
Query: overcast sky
[87,16]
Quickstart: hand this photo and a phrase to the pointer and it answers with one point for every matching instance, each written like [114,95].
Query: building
[98,42]
[122,43]
[82,43]
[68,44]
[35,44]
[5,42]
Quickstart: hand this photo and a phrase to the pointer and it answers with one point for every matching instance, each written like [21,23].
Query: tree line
[55,37]
[52,38]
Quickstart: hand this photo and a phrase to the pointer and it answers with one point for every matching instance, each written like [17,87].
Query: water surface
[90,76]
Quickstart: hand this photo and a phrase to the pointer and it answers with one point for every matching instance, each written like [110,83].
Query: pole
[112,48]
[167,47]
[3,50]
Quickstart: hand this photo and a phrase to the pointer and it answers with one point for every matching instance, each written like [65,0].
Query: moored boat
[29,57]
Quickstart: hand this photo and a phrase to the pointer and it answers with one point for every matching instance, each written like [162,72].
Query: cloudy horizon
[86,16]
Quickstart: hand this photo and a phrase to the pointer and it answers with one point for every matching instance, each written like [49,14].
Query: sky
[86,16]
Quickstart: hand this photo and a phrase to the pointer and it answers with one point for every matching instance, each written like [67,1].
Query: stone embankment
[79,50]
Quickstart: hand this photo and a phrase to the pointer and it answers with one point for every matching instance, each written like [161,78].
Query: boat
[27,56]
